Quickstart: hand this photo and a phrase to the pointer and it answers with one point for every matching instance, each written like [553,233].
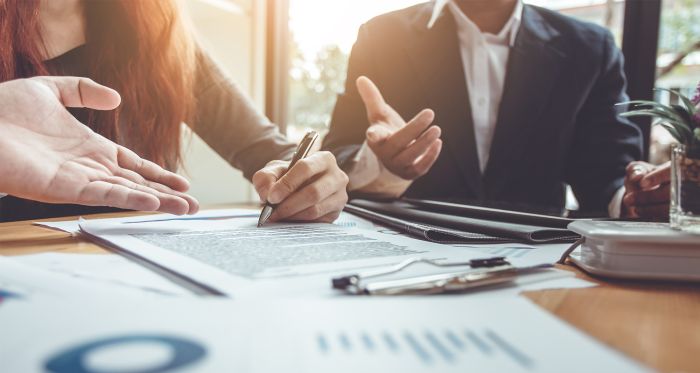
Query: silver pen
[302,151]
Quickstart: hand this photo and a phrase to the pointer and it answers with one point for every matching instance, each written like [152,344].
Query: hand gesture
[313,190]
[47,155]
[406,149]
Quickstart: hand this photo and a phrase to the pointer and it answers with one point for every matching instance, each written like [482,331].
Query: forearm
[228,121]
[368,176]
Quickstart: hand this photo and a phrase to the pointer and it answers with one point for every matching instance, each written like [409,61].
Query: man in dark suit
[522,98]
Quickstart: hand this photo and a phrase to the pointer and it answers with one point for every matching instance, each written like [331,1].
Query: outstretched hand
[47,155]
[406,149]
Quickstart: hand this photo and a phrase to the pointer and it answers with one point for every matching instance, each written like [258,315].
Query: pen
[302,151]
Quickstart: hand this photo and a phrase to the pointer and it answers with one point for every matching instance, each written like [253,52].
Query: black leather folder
[470,224]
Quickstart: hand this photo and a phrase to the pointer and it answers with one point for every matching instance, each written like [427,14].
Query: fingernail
[274,197]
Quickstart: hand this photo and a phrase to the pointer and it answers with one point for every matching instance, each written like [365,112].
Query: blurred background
[291,57]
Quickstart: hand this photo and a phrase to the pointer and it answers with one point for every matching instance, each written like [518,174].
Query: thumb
[264,179]
[82,92]
[372,98]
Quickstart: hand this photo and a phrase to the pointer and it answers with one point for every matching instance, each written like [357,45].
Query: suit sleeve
[228,121]
[604,142]
[349,120]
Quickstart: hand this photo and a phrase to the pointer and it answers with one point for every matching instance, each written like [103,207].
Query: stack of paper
[281,315]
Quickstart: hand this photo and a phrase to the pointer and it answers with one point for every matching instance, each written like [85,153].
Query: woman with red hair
[144,51]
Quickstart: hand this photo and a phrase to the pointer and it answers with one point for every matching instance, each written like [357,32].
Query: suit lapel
[435,56]
[533,67]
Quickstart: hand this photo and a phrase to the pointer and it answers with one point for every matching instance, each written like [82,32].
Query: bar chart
[431,348]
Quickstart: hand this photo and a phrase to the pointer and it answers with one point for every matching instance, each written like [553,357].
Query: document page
[430,334]
[236,258]
[253,252]
[437,334]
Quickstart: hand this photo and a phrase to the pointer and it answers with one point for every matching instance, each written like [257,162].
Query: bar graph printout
[407,335]
[439,334]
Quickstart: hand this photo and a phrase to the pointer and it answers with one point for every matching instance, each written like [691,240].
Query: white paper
[430,334]
[104,268]
[72,226]
[232,255]
[18,280]
[297,275]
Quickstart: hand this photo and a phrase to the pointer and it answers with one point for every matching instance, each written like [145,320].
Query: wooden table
[657,324]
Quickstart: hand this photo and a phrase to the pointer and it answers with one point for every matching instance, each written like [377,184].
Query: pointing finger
[372,98]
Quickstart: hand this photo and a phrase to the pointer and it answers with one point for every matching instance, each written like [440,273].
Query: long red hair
[140,48]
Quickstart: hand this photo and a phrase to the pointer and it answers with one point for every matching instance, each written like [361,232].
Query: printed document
[430,334]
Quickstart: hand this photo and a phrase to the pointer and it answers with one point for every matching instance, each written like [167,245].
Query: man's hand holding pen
[314,189]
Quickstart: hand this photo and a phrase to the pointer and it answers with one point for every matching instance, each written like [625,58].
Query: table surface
[657,324]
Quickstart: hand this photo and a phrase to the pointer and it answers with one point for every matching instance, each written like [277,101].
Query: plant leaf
[686,102]
[656,113]
[668,110]
[674,132]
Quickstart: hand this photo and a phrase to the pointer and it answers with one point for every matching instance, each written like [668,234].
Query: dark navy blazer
[557,122]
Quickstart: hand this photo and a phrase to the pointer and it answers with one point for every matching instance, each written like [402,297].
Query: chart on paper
[427,347]
[247,252]
[445,334]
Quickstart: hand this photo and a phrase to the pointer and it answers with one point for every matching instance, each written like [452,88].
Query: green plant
[681,121]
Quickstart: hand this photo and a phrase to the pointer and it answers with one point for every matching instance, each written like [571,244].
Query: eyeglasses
[483,273]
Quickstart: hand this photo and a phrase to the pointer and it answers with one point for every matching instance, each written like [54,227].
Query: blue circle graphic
[73,360]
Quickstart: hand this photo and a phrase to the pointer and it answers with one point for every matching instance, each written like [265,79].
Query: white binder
[637,250]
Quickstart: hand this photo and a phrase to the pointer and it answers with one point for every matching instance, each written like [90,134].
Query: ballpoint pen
[302,151]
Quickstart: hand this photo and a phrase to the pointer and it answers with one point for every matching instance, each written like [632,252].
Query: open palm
[407,149]
[47,155]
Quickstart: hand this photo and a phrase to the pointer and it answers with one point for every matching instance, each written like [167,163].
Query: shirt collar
[510,27]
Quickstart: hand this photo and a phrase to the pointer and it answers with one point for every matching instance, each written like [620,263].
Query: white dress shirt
[485,57]
[485,60]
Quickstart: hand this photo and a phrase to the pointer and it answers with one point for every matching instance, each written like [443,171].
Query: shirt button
[481,101]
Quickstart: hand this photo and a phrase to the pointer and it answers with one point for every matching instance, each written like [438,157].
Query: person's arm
[604,143]
[314,189]
[48,156]
[228,121]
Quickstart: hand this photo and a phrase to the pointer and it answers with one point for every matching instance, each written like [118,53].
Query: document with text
[236,258]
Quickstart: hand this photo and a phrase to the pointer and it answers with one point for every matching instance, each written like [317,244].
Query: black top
[557,122]
[225,119]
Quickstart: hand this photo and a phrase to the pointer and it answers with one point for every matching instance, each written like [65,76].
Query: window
[607,13]
[322,35]
[677,63]
[232,32]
